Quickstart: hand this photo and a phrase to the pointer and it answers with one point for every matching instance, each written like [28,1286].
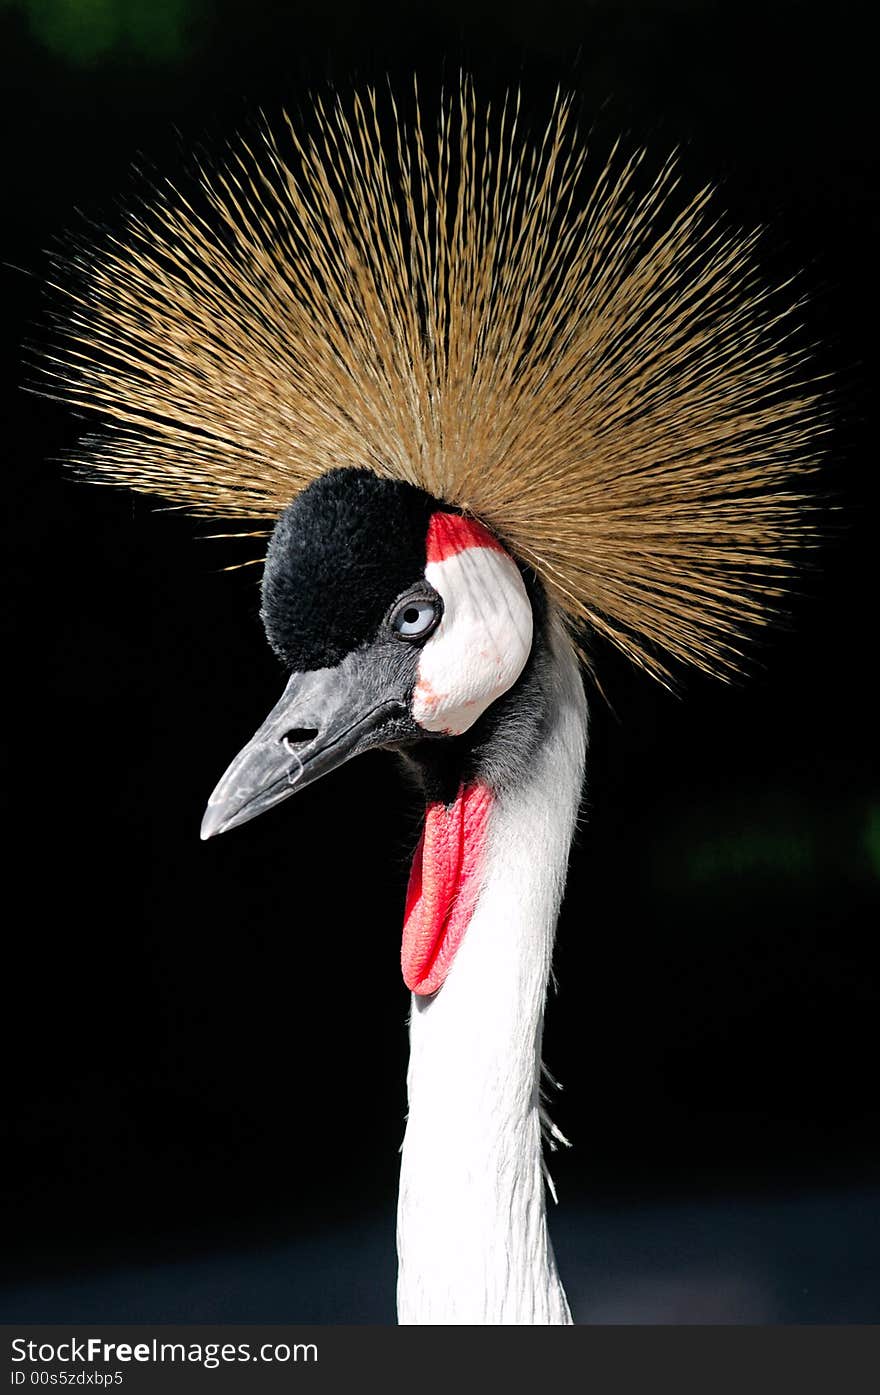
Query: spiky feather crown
[600,376]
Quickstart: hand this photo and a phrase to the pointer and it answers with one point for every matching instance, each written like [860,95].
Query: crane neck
[473,1244]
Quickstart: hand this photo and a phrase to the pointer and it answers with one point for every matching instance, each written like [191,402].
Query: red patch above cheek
[449,533]
[443,887]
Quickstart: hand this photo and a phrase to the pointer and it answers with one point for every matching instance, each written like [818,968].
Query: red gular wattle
[444,884]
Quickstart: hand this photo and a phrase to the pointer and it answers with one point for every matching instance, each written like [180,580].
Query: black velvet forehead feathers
[340,555]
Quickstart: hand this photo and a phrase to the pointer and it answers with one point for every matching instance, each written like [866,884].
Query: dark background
[203,1096]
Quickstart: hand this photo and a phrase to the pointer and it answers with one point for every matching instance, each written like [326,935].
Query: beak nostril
[298,736]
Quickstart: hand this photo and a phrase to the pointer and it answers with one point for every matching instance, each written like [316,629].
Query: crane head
[399,621]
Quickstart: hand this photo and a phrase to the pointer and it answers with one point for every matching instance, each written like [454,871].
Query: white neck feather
[472,1230]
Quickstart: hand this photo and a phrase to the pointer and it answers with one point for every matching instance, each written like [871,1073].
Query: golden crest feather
[596,372]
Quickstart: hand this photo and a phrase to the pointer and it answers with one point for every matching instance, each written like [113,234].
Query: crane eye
[415,617]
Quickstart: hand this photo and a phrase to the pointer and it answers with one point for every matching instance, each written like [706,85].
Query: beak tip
[212,823]
[336,721]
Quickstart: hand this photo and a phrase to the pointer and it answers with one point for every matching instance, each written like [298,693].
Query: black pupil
[411,615]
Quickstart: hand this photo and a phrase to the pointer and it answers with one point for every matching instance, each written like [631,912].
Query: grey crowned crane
[490,404]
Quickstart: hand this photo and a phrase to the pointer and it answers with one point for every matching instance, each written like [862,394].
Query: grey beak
[324,718]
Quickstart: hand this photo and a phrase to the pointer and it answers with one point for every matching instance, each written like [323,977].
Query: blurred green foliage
[82,32]
[775,840]
[752,851]
[872,838]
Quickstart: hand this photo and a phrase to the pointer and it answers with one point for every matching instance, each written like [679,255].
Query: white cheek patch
[485,636]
